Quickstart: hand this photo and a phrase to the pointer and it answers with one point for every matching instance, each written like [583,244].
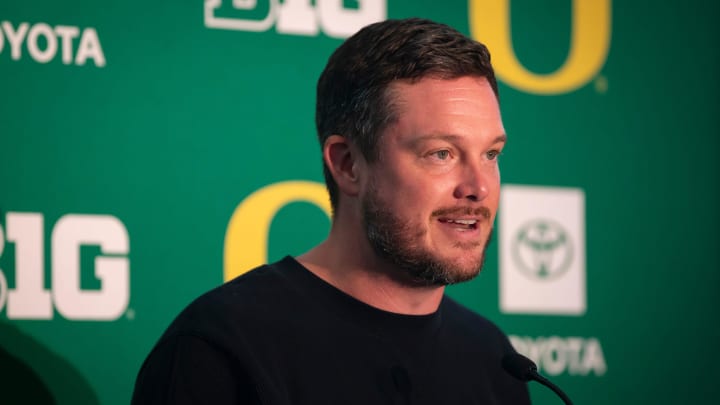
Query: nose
[474,183]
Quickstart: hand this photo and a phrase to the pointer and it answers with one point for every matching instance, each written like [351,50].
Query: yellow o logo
[246,238]
[589,45]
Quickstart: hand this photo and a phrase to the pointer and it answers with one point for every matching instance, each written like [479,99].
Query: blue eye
[442,154]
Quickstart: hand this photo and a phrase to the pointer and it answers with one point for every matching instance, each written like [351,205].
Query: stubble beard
[398,242]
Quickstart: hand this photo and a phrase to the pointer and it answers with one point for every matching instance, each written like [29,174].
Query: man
[410,129]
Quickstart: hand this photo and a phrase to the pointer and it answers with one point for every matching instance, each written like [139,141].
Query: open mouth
[461,223]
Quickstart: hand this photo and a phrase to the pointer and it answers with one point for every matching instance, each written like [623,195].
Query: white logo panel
[542,250]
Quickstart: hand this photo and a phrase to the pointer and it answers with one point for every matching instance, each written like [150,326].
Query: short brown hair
[352,93]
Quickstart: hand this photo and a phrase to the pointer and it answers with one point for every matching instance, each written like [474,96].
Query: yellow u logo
[246,238]
[589,45]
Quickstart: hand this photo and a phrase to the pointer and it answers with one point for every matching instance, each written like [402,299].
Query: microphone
[524,369]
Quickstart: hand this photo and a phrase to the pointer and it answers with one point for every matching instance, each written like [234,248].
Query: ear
[343,159]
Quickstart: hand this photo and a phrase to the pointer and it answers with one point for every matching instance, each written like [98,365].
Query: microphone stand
[544,381]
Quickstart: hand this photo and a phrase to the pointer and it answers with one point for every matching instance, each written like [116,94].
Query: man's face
[430,200]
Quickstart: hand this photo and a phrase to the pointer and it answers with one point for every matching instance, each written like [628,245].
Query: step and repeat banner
[150,151]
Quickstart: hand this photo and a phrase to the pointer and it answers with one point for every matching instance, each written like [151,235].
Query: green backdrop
[150,125]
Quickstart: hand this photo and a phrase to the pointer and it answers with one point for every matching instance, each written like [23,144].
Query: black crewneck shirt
[280,335]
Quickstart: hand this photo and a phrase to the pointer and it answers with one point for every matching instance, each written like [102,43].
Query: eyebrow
[500,138]
[452,137]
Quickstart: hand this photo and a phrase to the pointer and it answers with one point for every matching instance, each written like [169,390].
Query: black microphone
[524,369]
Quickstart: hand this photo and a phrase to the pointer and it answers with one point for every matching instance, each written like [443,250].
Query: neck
[346,261]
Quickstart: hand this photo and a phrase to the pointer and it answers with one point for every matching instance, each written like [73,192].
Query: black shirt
[281,335]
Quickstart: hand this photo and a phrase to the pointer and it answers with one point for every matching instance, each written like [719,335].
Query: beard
[399,242]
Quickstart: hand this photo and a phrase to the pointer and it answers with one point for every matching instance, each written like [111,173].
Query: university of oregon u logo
[589,45]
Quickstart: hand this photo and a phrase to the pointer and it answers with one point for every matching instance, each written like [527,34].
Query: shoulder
[250,299]
[463,322]
[477,340]
[210,347]
[206,350]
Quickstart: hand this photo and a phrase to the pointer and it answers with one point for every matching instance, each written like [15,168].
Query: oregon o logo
[542,249]
[589,45]
[246,238]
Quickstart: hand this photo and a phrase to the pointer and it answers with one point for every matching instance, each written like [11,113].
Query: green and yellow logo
[249,224]
[589,45]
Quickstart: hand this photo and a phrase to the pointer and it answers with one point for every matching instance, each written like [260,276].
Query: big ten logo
[295,17]
[43,43]
[29,299]
[246,238]
[589,46]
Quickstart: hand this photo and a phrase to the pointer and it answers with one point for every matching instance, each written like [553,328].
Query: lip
[476,213]
[451,220]
[455,232]
[454,228]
